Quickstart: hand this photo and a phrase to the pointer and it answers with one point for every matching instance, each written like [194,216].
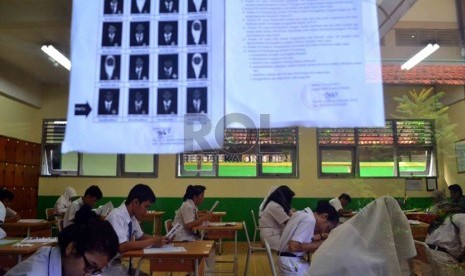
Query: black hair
[94,191]
[85,214]
[141,192]
[193,190]
[323,206]
[283,196]
[455,188]
[6,194]
[93,235]
[346,197]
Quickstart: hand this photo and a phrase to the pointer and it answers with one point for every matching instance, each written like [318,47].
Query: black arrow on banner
[82,109]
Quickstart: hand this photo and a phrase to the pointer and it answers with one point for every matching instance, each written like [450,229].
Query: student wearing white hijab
[275,214]
[376,241]
[262,205]
[64,200]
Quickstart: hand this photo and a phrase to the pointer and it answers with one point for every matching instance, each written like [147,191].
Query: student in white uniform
[376,241]
[260,208]
[297,238]
[6,197]
[64,201]
[187,213]
[447,243]
[275,214]
[125,220]
[84,248]
[188,217]
[339,203]
[91,196]
[2,220]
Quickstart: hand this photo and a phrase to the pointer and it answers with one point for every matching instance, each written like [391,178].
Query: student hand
[324,236]
[316,237]
[159,241]
[207,216]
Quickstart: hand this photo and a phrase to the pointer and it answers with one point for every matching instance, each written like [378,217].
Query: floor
[258,263]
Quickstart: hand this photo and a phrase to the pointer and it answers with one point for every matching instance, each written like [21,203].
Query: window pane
[69,161]
[138,163]
[196,165]
[376,161]
[416,162]
[237,164]
[334,161]
[278,162]
[99,164]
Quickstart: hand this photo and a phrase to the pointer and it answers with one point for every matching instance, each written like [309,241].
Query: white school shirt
[187,213]
[72,209]
[46,261]
[271,223]
[446,236]
[376,241]
[299,228]
[119,218]
[2,219]
[336,203]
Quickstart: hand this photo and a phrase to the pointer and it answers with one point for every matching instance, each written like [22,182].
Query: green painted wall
[236,209]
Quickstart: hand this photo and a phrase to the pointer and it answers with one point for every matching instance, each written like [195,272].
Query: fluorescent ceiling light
[57,56]
[424,53]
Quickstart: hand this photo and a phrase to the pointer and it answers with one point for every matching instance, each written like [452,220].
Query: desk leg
[196,269]
[235,253]
[28,232]
[154,226]
[139,264]
[20,258]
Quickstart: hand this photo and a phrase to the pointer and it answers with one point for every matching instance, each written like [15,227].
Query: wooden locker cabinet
[19,172]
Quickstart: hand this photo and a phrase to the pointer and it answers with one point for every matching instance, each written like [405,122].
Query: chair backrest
[424,257]
[270,258]
[61,223]
[168,225]
[50,214]
[254,219]
[246,234]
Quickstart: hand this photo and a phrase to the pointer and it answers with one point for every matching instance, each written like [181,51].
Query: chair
[50,214]
[168,225]
[423,262]
[61,224]
[270,258]
[257,227]
[251,249]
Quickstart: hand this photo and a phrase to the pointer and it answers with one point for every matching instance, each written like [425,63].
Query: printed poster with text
[307,63]
[146,77]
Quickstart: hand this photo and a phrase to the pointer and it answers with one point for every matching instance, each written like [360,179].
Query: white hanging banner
[146,77]
[304,63]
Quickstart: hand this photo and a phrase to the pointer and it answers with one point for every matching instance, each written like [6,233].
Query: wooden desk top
[24,250]
[195,249]
[220,226]
[152,214]
[38,223]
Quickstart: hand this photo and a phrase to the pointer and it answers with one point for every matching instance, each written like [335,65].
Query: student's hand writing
[158,241]
[207,216]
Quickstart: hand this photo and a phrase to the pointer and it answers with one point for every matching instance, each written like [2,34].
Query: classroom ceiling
[25,25]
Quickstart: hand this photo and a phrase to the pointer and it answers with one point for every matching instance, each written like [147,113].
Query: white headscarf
[64,200]
[260,209]
[377,241]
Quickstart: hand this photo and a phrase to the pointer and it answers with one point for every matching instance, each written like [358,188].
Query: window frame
[50,142]
[397,148]
[253,148]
